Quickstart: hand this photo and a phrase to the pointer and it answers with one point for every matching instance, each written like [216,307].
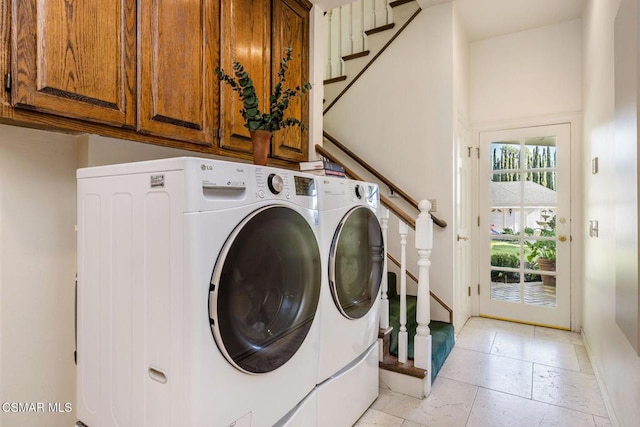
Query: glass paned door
[525,249]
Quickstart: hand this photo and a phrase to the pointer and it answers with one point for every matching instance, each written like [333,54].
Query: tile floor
[503,374]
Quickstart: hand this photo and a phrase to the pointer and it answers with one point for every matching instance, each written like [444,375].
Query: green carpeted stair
[442,333]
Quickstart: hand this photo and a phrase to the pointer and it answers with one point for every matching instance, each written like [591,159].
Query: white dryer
[352,248]
[198,287]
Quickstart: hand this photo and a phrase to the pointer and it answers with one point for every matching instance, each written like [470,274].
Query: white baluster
[336,42]
[384,285]
[327,44]
[389,12]
[369,14]
[424,244]
[380,13]
[403,341]
[357,32]
[363,13]
[345,18]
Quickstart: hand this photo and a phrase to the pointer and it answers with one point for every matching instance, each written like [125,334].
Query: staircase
[357,34]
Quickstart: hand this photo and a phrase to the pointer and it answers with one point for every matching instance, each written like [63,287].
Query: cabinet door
[75,59]
[245,38]
[291,28]
[178,54]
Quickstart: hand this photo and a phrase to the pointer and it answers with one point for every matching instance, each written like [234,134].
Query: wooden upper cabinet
[178,88]
[245,38]
[291,28]
[75,59]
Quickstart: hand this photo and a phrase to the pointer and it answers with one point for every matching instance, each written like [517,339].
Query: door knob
[562,238]
[462,238]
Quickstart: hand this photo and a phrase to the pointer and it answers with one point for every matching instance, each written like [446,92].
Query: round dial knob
[275,183]
[360,191]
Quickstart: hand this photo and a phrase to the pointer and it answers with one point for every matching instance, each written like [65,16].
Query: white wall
[527,74]
[399,117]
[37,273]
[616,363]
[461,76]
[94,150]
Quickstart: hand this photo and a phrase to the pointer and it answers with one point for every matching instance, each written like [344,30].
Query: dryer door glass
[355,262]
[265,289]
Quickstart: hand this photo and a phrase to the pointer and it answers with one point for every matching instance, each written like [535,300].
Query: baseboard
[601,384]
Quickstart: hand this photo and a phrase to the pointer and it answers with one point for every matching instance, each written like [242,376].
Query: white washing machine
[198,288]
[353,250]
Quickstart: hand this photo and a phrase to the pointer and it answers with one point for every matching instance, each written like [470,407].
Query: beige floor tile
[552,353]
[494,409]
[558,335]
[411,424]
[489,371]
[448,404]
[377,418]
[475,339]
[569,389]
[500,326]
[601,422]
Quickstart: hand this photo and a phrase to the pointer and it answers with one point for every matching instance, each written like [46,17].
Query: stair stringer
[405,384]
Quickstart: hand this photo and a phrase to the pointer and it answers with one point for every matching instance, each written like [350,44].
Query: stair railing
[345,28]
[384,180]
[423,226]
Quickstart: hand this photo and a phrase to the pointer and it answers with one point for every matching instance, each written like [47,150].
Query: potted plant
[261,125]
[542,253]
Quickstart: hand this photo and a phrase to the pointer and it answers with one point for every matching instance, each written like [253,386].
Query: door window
[265,289]
[355,263]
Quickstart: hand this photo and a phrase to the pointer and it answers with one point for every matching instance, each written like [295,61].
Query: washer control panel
[275,183]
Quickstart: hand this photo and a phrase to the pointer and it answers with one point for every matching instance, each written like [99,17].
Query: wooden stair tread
[355,55]
[397,3]
[390,363]
[380,29]
[335,80]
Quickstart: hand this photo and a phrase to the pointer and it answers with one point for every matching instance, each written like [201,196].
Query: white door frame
[577,223]
[462,223]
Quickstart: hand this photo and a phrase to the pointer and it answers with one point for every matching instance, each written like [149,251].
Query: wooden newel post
[424,243]
[384,285]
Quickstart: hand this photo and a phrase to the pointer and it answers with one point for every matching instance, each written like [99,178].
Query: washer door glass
[265,289]
[355,262]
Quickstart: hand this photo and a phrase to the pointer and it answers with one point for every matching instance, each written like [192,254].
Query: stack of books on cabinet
[323,167]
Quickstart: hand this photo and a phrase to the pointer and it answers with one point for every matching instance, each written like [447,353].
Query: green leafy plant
[505,260]
[279,100]
[545,249]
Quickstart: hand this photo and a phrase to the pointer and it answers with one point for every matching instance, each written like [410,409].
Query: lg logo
[206,167]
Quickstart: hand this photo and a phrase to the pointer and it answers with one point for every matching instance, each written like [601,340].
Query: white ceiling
[491,18]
